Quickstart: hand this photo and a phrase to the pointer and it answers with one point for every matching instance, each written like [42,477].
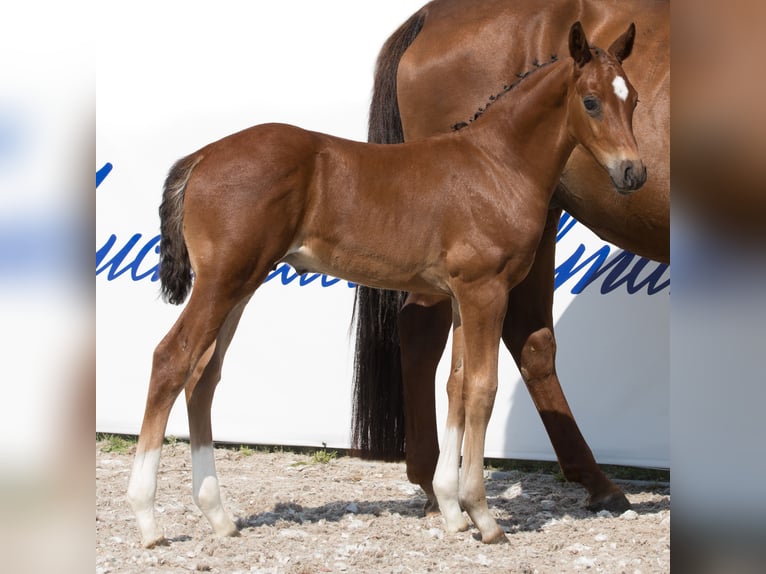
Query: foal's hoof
[229,531]
[615,502]
[496,537]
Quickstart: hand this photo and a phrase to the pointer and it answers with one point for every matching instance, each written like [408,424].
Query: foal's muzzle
[628,176]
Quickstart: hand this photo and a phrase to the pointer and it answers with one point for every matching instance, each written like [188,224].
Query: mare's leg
[424,324]
[446,476]
[528,334]
[184,351]
[482,308]
[199,399]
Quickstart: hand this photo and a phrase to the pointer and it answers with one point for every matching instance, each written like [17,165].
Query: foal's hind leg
[199,398]
[528,334]
[186,349]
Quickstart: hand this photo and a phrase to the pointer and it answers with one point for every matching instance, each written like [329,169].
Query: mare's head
[601,103]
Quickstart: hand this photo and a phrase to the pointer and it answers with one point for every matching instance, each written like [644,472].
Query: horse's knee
[538,356]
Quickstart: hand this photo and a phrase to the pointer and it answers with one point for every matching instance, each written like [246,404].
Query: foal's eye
[591,104]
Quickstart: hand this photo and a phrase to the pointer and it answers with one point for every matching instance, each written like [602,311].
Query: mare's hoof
[431,508]
[616,503]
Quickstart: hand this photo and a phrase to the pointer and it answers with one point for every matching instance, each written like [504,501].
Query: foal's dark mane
[506,88]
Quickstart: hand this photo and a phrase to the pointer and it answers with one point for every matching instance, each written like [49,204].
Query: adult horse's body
[457,215]
[432,73]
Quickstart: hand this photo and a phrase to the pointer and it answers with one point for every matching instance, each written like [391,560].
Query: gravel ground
[298,515]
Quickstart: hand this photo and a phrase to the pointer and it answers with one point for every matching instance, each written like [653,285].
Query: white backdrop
[173,76]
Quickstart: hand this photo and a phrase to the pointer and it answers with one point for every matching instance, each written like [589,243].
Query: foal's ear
[622,46]
[578,45]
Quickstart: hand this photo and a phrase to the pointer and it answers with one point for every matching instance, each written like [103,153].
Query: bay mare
[472,46]
[435,216]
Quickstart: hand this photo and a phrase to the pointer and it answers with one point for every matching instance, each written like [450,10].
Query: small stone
[292,533]
[483,560]
[604,514]
[407,489]
[513,491]
[585,562]
[355,523]
[629,515]
[353,508]
[578,548]
[547,504]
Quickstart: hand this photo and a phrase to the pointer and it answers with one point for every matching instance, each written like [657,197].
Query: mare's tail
[378,406]
[175,267]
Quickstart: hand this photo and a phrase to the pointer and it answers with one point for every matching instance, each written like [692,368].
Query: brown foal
[457,215]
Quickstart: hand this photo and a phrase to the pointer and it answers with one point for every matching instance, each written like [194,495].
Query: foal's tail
[175,267]
[378,405]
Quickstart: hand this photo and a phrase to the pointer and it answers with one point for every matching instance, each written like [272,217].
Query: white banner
[174,76]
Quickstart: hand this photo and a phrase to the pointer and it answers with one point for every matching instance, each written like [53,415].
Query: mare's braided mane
[506,88]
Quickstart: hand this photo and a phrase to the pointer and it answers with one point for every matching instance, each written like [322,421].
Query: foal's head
[601,104]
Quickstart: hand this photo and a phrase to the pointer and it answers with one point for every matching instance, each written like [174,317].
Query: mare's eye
[591,104]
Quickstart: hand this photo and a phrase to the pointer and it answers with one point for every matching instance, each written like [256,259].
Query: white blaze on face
[620,87]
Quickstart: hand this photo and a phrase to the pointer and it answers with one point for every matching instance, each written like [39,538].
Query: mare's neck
[527,128]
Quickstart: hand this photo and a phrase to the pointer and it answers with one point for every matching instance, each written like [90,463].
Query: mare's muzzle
[628,176]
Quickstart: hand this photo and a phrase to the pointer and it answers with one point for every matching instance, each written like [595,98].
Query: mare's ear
[578,45]
[622,46]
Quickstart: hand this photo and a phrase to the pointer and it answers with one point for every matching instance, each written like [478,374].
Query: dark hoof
[431,508]
[615,503]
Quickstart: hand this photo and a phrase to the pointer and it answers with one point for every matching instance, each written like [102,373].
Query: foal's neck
[529,126]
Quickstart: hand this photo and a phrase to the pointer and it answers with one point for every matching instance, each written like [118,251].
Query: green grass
[115,443]
[122,443]
[314,455]
[245,450]
[324,456]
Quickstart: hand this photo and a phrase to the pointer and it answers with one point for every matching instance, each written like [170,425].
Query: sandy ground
[298,515]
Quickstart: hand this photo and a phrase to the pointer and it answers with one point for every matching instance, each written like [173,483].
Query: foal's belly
[369,269]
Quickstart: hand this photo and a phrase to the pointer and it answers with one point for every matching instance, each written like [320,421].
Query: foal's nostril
[634,175]
[628,175]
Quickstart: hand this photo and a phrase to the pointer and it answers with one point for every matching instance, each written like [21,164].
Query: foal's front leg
[446,476]
[482,309]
